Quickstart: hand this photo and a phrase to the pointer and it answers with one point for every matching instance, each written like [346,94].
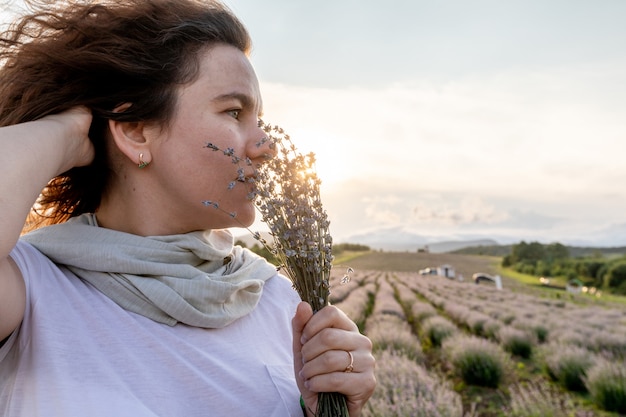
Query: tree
[528,253]
[556,251]
[615,277]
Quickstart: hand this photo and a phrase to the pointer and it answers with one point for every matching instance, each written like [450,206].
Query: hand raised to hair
[74,124]
[321,343]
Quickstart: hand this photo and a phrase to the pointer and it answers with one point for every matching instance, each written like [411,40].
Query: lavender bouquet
[287,193]
[288,199]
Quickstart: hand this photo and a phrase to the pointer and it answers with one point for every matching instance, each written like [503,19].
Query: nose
[261,147]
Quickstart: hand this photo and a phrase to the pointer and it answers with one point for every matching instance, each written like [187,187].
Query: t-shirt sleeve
[29,262]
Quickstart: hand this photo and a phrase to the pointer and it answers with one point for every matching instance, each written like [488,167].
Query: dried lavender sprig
[288,199]
[290,204]
[287,192]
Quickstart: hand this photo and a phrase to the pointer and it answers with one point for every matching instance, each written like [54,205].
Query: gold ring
[350,367]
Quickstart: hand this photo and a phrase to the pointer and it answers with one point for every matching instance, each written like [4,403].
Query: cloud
[529,220]
[383,210]
[518,132]
[469,211]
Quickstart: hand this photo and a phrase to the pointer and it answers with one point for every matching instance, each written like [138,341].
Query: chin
[243,221]
[244,217]
[240,215]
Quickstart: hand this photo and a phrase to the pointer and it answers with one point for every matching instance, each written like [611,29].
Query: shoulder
[282,286]
[279,298]
[281,283]
[35,268]
[28,258]
[43,278]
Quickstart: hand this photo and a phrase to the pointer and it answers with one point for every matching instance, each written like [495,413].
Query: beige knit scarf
[197,278]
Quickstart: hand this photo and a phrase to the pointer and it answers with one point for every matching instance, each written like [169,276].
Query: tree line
[554,260]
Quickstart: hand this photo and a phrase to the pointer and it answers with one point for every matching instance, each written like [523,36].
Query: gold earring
[142,164]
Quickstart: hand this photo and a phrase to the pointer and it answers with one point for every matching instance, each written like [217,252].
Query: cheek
[220,173]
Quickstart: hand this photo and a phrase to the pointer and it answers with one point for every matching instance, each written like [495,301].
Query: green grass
[611,298]
[465,265]
[533,281]
[518,276]
[344,259]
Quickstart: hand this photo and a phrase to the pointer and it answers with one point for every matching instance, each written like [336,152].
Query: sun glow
[331,162]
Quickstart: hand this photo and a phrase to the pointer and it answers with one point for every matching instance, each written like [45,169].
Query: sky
[453,119]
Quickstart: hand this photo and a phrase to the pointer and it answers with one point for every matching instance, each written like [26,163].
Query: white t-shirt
[79,354]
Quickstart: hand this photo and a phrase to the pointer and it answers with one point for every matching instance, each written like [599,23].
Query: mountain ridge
[399,240]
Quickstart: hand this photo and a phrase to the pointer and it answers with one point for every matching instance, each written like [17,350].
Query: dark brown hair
[101,54]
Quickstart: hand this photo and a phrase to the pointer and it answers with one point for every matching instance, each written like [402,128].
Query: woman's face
[222,107]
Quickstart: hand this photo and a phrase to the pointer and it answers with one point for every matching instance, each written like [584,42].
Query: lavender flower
[405,388]
[540,399]
[287,193]
[288,199]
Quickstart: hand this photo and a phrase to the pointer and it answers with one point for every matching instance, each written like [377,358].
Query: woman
[132,300]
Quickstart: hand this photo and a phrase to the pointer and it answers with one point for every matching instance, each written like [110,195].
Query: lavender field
[451,348]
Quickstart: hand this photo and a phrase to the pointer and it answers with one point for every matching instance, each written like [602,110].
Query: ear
[131,138]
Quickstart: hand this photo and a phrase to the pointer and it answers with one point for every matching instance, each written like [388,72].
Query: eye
[234,113]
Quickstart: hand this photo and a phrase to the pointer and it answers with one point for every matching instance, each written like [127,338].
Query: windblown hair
[101,54]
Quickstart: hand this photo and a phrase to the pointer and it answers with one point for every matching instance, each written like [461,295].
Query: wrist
[68,133]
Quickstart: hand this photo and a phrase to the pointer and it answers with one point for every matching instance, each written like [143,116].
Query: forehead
[224,73]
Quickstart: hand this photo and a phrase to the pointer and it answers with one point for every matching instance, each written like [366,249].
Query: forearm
[27,161]
[30,155]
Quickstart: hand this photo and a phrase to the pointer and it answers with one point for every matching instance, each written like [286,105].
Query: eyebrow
[244,99]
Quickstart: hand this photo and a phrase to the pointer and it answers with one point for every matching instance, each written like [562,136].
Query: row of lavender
[405,386]
[480,335]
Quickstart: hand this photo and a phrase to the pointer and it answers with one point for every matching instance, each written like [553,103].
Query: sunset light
[529,128]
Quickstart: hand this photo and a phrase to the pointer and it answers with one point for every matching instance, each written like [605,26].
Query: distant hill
[574,251]
[459,245]
[489,250]
[392,240]
[398,239]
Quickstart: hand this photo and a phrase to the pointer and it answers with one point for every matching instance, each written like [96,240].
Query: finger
[328,362]
[357,387]
[339,361]
[299,321]
[328,317]
[331,339]
[335,339]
